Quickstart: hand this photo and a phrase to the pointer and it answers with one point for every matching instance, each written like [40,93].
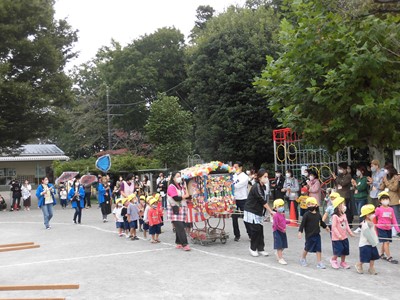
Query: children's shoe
[359,268]
[178,246]
[135,238]
[263,253]
[391,260]
[282,261]
[321,265]
[303,262]
[186,248]
[334,264]
[253,253]
[344,265]
[372,271]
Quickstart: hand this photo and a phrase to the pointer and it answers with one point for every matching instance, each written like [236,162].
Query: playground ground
[109,267]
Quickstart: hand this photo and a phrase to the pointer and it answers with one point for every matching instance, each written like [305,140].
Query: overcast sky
[126,20]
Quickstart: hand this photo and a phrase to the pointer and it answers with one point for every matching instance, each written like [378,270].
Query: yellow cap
[125,200]
[337,202]
[367,209]
[153,200]
[131,196]
[143,198]
[334,195]
[278,202]
[311,200]
[157,196]
[148,199]
[119,200]
[383,194]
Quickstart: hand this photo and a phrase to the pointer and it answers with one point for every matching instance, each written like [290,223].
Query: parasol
[65,176]
[88,179]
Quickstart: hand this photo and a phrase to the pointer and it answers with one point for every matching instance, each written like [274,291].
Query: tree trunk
[377,153]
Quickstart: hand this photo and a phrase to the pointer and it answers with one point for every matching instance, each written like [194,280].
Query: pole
[108,118]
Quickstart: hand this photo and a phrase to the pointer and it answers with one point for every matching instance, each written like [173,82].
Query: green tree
[33,86]
[169,128]
[232,121]
[337,79]
[203,14]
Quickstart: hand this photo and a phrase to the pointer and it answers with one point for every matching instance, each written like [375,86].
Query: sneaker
[334,264]
[344,265]
[48,227]
[372,271]
[263,253]
[104,220]
[253,253]
[358,230]
[178,246]
[321,265]
[282,261]
[359,268]
[186,248]
[135,238]
[236,239]
[303,262]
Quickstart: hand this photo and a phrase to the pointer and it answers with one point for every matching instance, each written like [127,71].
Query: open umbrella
[88,179]
[65,176]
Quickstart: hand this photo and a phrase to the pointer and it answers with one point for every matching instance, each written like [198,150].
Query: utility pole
[108,118]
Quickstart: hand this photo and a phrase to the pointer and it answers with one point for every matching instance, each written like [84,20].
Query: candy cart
[212,201]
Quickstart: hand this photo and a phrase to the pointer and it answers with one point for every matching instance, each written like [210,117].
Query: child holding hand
[279,230]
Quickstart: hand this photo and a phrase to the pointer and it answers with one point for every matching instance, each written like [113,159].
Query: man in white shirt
[240,181]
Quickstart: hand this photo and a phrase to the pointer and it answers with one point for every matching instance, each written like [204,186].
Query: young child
[133,217]
[302,200]
[124,213]
[340,228]
[368,240]
[329,209]
[279,230]
[141,206]
[385,220]
[146,216]
[310,223]
[154,218]
[119,220]
[63,197]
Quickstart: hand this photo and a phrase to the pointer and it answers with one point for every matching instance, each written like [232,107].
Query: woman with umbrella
[77,197]
[104,197]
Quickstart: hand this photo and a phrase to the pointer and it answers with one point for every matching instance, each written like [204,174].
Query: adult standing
[77,197]
[88,194]
[291,188]
[177,209]
[390,183]
[277,185]
[146,185]
[375,181]
[127,186]
[343,184]
[162,186]
[26,194]
[314,186]
[360,187]
[240,181]
[16,194]
[104,198]
[46,200]
[253,213]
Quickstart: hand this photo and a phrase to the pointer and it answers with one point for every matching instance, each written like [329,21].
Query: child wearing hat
[385,220]
[302,200]
[279,230]
[310,223]
[119,220]
[329,209]
[340,228]
[154,218]
[368,240]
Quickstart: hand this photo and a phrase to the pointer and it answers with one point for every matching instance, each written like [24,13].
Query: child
[119,220]
[124,214]
[368,240]
[154,218]
[302,200]
[3,204]
[279,230]
[340,227]
[386,219]
[141,206]
[63,197]
[329,209]
[133,217]
[310,223]
[145,220]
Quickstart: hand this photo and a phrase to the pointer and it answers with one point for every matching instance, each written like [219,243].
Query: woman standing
[257,200]
[45,194]
[26,194]
[360,187]
[291,188]
[77,197]
[104,198]
[314,186]
[177,209]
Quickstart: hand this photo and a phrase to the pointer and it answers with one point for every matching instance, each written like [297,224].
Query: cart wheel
[213,240]
[223,240]
[203,243]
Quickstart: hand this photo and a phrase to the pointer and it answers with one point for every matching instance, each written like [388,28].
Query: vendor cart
[212,202]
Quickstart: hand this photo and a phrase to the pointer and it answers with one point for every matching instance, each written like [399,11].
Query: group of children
[335,222]
[147,214]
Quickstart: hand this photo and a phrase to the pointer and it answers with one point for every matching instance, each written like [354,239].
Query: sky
[98,21]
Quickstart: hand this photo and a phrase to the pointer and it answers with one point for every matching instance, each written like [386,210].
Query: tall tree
[232,120]
[169,128]
[204,13]
[337,79]
[33,51]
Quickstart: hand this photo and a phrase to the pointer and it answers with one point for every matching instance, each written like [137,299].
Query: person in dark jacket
[253,213]
[277,185]
[343,184]
[16,194]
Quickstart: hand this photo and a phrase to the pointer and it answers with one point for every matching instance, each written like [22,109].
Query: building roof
[34,152]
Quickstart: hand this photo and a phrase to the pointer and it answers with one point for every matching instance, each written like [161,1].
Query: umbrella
[65,176]
[103,163]
[88,179]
